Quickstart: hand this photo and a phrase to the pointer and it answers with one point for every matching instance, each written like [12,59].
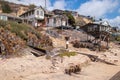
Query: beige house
[57,20]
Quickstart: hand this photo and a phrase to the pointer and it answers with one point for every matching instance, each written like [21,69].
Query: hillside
[82,20]
[16,9]
[30,67]
[16,36]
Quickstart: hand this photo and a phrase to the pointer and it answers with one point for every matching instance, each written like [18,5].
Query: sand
[30,67]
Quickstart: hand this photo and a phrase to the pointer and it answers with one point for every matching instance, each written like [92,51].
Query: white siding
[2,17]
[50,23]
[39,13]
[63,23]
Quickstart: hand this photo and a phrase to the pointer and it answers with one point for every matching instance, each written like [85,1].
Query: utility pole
[46,17]
[45,5]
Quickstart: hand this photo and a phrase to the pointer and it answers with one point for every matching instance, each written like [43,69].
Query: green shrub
[19,29]
[6,8]
[3,23]
[67,54]
[118,38]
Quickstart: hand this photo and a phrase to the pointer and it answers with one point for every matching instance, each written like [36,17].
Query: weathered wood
[99,31]
[37,51]
[116,76]
[95,58]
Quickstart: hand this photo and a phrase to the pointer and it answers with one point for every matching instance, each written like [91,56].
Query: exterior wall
[0,9]
[56,22]
[50,22]
[2,17]
[28,15]
[63,23]
[39,13]
[8,17]
[35,16]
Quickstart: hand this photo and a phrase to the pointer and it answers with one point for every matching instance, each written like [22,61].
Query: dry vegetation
[15,36]
[9,42]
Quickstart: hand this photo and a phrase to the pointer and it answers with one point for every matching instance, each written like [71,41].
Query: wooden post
[87,37]
[100,37]
[108,40]
[67,42]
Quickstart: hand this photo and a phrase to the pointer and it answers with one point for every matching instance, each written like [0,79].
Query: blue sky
[106,9]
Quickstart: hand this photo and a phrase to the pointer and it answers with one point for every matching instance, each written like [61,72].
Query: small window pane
[37,12]
[41,13]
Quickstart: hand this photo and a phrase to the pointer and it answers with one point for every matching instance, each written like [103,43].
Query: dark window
[41,13]
[37,12]
[54,20]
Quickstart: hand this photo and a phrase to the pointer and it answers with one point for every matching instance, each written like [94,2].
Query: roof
[48,13]
[33,10]
[105,23]
[99,23]
[61,16]
[5,14]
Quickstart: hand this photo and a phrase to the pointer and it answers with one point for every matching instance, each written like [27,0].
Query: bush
[6,8]
[67,54]
[21,30]
[71,19]
[3,23]
[27,33]
[118,38]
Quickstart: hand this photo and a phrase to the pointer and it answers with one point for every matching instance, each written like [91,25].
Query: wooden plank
[116,76]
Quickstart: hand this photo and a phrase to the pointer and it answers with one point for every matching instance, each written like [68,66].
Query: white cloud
[36,2]
[115,21]
[97,8]
[58,4]
[16,1]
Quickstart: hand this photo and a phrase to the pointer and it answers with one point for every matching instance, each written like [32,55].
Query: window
[37,12]
[3,17]
[32,12]
[41,13]
[54,20]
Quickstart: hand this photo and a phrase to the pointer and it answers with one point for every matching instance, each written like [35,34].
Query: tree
[71,19]
[100,19]
[6,8]
[32,6]
[93,19]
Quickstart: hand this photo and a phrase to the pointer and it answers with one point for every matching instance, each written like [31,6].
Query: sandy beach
[30,67]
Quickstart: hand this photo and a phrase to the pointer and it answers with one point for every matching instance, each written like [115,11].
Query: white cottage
[34,16]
